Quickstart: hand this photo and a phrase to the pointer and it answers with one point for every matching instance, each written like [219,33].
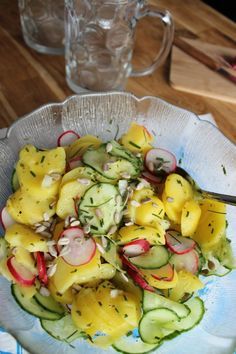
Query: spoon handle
[224,198]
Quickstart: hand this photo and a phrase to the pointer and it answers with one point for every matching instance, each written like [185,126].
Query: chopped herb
[153,132]
[116,309]
[145,136]
[110,121]
[101,221]
[160,211]
[42,159]
[27,149]
[91,200]
[212,230]
[71,334]
[32,244]
[117,132]
[180,161]
[135,145]
[74,271]
[179,182]
[226,224]
[99,302]
[78,312]
[125,316]
[224,170]
[84,211]
[157,216]
[216,212]
[58,294]
[98,205]
[94,227]
[33,174]
[125,297]
[187,214]
[129,333]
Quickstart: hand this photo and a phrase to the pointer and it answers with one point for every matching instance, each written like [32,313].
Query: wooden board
[189,75]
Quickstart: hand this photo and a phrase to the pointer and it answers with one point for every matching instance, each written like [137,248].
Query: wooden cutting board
[189,75]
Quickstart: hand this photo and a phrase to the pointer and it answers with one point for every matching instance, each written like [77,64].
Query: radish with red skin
[139,280]
[21,274]
[67,138]
[6,219]
[177,243]
[41,266]
[128,264]
[81,249]
[151,178]
[188,261]
[165,273]
[158,160]
[75,162]
[135,248]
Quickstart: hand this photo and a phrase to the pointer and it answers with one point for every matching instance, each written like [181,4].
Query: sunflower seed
[145,182]
[129,223]
[84,181]
[44,291]
[117,217]
[145,200]
[46,234]
[98,213]
[40,229]
[65,250]
[55,176]
[135,204]
[104,241]
[124,277]
[51,205]
[155,205]
[125,175]
[170,200]
[53,224]
[86,229]
[51,270]
[100,248]
[47,181]
[122,186]
[112,230]
[67,220]
[76,287]
[109,147]
[115,292]
[63,241]
[51,243]
[46,217]
[118,199]
[75,223]
[52,251]
[151,166]
[140,186]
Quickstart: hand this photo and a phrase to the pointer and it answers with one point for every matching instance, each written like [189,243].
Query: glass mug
[42,23]
[99,41]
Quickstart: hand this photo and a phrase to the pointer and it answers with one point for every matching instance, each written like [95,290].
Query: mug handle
[167,40]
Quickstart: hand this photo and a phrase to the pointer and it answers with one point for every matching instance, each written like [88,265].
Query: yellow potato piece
[29,210]
[137,139]
[68,193]
[159,284]
[177,192]
[32,167]
[22,236]
[25,258]
[190,217]
[65,298]
[78,147]
[150,213]
[66,275]
[212,224]
[155,236]
[187,283]
[58,230]
[138,196]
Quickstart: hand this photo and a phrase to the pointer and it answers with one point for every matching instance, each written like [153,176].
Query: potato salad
[106,242]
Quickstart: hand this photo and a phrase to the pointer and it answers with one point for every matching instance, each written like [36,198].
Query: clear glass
[201,147]
[99,40]
[42,23]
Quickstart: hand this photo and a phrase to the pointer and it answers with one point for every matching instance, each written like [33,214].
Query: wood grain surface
[29,79]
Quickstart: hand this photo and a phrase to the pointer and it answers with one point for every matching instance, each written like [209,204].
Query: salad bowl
[200,149]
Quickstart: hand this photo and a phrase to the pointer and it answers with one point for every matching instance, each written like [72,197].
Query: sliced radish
[139,280]
[67,138]
[151,178]
[136,248]
[6,219]
[177,243]
[78,249]
[188,261]
[159,160]
[164,273]
[41,266]
[75,162]
[127,264]
[21,274]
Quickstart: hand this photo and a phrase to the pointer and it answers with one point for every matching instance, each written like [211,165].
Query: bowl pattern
[199,147]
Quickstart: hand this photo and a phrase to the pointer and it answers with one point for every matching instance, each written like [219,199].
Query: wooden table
[29,79]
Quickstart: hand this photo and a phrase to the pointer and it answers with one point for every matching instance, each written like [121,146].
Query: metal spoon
[224,198]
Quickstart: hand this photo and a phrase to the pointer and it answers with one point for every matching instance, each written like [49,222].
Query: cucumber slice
[156,257]
[32,306]
[63,329]
[14,181]
[152,301]
[49,303]
[106,199]
[152,325]
[133,345]
[119,151]
[197,310]
[3,248]
[110,167]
